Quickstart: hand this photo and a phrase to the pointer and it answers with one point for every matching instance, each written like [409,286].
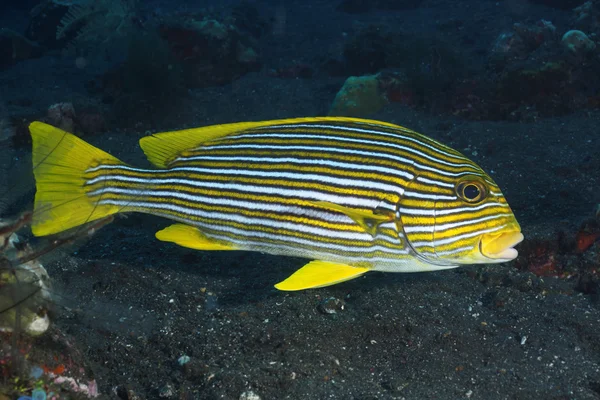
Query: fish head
[463,220]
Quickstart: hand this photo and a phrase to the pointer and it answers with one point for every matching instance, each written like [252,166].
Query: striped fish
[352,195]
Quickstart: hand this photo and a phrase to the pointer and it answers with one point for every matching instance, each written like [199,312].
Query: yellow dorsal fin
[191,237]
[368,220]
[162,148]
[318,274]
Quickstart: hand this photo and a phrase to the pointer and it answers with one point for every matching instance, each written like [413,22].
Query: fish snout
[500,247]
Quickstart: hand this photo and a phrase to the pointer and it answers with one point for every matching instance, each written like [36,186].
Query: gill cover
[416,223]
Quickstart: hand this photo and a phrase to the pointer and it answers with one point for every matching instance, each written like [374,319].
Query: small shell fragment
[331,305]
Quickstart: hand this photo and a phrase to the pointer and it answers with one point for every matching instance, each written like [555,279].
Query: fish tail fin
[60,163]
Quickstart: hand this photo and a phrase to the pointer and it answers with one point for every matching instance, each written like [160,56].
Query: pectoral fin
[318,274]
[191,237]
[368,220]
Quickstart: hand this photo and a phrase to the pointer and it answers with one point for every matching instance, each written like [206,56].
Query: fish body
[353,195]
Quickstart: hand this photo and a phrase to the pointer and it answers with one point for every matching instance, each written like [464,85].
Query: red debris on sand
[539,257]
[588,234]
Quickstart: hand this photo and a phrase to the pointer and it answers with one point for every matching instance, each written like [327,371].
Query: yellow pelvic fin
[60,161]
[162,148]
[318,274]
[368,220]
[191,237]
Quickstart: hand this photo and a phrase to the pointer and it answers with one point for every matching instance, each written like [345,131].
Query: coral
[535,35]
[536,74]
[577,43]
[586,17]
[211,28]
[521,42]
[96,24]
[360,96]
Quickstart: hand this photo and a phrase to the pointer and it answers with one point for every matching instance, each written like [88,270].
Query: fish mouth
[500,247]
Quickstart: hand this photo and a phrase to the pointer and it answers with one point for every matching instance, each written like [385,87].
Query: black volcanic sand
[132,305]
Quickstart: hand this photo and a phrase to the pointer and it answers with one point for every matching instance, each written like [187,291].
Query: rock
[15,47]
[26,284]
[331,305]
[249,395]
[62,115]
[167,391]
[359,97]
[183,360]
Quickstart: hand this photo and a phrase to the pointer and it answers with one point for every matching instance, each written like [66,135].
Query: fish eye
[471,191]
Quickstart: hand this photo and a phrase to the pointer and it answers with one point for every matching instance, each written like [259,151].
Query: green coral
[359,97]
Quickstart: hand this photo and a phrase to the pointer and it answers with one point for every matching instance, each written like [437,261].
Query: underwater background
[514,85]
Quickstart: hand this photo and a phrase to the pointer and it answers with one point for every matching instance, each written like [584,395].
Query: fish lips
[500,247]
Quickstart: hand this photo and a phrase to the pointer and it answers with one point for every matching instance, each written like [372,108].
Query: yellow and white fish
[352,195]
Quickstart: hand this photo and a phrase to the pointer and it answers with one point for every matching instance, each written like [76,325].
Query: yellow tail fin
[60,160]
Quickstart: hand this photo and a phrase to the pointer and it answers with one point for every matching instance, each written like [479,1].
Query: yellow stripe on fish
[353,195]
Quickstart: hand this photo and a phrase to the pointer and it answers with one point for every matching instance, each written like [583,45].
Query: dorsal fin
[162,148]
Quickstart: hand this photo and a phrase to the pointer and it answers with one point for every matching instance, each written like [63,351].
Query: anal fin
[190,237]
[318,274]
